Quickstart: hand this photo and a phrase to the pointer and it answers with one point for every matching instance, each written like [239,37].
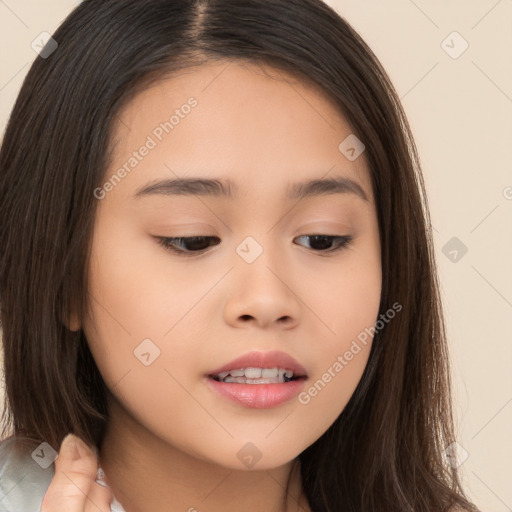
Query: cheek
[347,309]
[135,293]
[142,326]
[340,357]
[345,296]
[139,328]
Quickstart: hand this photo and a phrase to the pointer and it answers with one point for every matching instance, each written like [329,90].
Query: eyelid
[343,241]
[164,242]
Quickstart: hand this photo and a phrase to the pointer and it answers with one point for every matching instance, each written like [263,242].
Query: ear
[70,320]
[74,323]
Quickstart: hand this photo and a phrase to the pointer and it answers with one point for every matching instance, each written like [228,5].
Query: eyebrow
[228,189]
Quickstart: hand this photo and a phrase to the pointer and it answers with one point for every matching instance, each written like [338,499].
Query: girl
[217,271]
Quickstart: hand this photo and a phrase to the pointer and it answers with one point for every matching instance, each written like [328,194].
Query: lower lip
[257,396]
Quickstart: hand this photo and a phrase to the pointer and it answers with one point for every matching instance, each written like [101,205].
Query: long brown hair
[385,450]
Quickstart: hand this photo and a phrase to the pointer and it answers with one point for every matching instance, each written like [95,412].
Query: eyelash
[167,243]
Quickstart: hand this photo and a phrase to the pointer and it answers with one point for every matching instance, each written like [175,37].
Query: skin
[171,440]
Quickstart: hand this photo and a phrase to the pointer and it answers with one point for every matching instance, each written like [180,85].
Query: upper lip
[255,359]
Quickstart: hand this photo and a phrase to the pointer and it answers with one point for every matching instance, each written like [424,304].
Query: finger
[74,481]
[99,499]
[75,454]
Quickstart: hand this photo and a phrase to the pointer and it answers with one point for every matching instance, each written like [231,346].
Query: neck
[147,473]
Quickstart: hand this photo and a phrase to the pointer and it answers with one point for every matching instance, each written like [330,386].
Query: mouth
[255,367]
[253,375]
[259,380]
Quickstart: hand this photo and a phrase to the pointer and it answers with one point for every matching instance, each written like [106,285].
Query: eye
[186,246]
[327,243]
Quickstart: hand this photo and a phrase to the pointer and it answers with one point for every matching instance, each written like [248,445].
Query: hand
[73,488]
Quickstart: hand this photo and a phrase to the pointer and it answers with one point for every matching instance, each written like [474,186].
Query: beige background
[460,110]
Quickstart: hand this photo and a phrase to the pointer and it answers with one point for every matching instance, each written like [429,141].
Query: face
[273,271]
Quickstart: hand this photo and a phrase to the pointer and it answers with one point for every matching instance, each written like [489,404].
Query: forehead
[256,125]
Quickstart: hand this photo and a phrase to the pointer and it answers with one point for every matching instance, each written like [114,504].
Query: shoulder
[25,475]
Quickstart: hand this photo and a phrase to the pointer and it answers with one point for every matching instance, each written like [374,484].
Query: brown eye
[196,244]
[327,243]
[191,244]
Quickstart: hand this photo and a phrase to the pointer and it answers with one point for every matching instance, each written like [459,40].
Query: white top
[115,506]
[24,482]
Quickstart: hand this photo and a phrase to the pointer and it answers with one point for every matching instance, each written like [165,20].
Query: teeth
[253,373]
[269,372]
[242,380]
[256,376]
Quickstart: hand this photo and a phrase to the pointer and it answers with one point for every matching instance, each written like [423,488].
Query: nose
[262,294]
